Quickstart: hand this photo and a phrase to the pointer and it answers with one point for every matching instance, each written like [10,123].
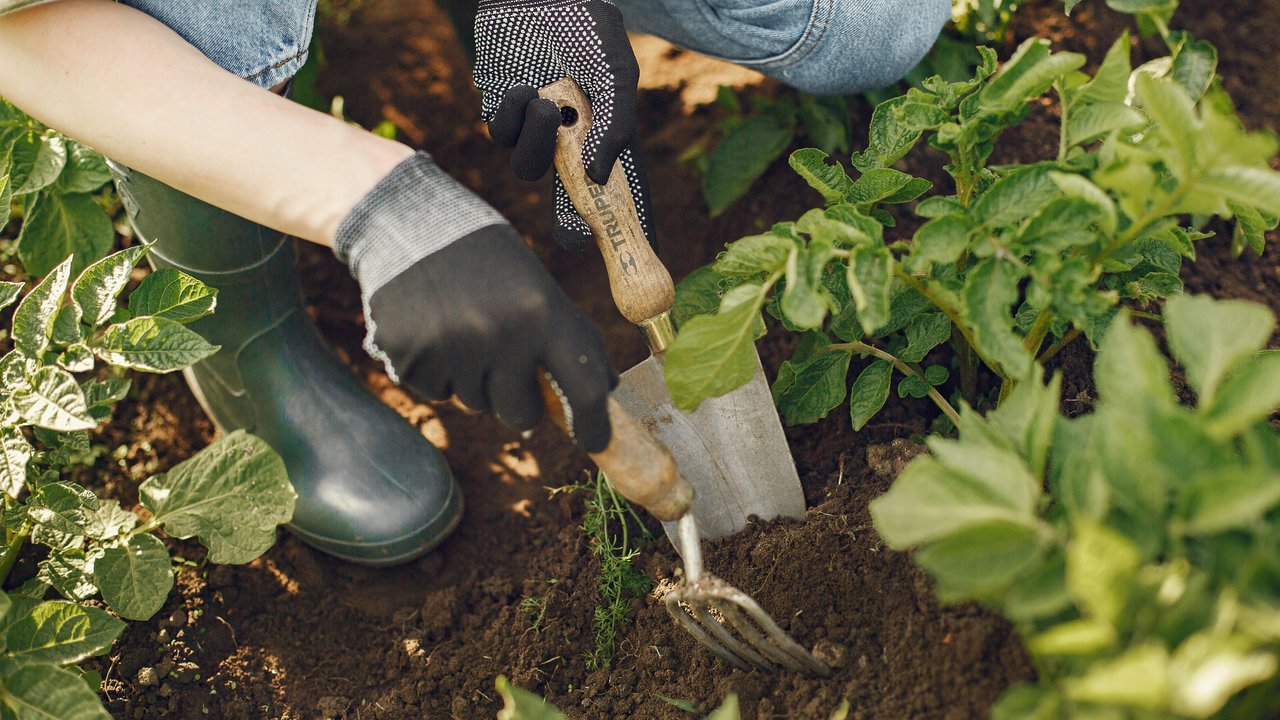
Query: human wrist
[415,210]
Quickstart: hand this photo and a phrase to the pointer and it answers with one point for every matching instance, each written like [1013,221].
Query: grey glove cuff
[411,213]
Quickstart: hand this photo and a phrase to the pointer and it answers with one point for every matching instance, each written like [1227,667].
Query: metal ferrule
[659,332]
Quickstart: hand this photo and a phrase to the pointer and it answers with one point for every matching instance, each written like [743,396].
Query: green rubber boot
[371,489]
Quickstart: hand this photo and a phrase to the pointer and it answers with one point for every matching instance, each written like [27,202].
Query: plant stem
[1131,232]
[905,369]
[1063,121]
[968,366]
[10,555]
[1055,348]
[950,312]
[1040,328]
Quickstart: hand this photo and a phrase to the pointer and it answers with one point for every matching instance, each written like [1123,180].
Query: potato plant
[231,495]
[1145,583]
[1015,263]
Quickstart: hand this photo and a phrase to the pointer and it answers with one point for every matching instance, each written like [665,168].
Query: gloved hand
[522,45]
[455,303]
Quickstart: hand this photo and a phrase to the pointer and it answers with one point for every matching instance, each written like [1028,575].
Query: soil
[297,634]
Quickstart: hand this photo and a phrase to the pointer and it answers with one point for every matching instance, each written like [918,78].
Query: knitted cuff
[414,211]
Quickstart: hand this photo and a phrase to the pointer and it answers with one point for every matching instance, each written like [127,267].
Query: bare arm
[119,81]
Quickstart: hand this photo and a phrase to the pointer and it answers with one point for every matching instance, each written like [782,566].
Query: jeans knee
[852,46]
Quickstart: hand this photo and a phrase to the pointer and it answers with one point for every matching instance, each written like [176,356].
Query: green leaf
[1111,83]
[67,570]
[829,179]
[135,578]
[58,511]
[1255,186]
[805,300]
[58,226]
[61,633]
[15,453]
[1027,418]
[65,329]
[1026,701]
[232,495]
[37,162]
[173,294]
[105,392]
[1093,120]
[1130,371]
[869,392]
[84,172]
[817,386]
[889,138]
[95,290]
[1074,637]
[54,400]
[1173,114]
[826,121]
[1208,668]
[886,185]
[520,704]
[152,344]
[697,294]
[1040,593]
[989,294]
[980,560]
[1019,195]
[743,156]
[1194,67]
[9,293]
[47,692]
[1076,186]
[913,386]
[1026,75]
[754,255]
[109,521]
[1228,498]
[1251,228]
[1211,337]
[941,240]
[870,278]
[925,332]
[33,320]
[714,354]
[1247,396]
[938,206]
[1137,678]
[1100,566]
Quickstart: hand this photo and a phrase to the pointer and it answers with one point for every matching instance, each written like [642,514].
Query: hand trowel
[731,449]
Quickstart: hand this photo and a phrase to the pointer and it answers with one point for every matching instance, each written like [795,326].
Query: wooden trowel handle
[642,287]
[635,464]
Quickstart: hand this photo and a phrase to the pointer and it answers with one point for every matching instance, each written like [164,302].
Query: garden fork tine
[695,604]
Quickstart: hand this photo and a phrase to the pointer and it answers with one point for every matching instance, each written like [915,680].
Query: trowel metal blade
[731,449]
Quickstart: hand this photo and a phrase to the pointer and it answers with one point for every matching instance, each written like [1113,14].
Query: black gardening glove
[456,303]
[522,45]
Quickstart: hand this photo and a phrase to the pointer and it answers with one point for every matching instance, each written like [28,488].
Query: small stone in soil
[148,676]
[829,653]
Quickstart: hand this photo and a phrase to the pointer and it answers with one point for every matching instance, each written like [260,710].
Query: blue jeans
[831,47]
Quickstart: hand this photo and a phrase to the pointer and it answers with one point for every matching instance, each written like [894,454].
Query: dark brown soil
[299,635]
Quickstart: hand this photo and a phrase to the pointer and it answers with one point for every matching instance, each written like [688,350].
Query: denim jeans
[833,47]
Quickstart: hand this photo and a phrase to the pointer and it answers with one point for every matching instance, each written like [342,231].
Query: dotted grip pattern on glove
[522,45]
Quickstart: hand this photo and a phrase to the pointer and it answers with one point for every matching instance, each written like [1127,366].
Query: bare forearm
[122,83]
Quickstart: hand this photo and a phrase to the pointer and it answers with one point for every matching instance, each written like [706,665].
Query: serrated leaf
[869,392]
[173,294]
[870,278]
[989,294]
[816,387]
[61,633]
[58,226]
[742,156]
[54,400]
[33,320]
[135,578]
[96,289]
[520,704]
[152,344]
[15,453]
[231,495]
[85,171]
[829,179]
[714,354]
[980,560]
[1211,337]
[1019,195]
[37,162]
[1097,119]
[47,692]
[1026,75]
[754,255]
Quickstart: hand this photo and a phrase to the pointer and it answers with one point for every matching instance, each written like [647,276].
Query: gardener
[455,303]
